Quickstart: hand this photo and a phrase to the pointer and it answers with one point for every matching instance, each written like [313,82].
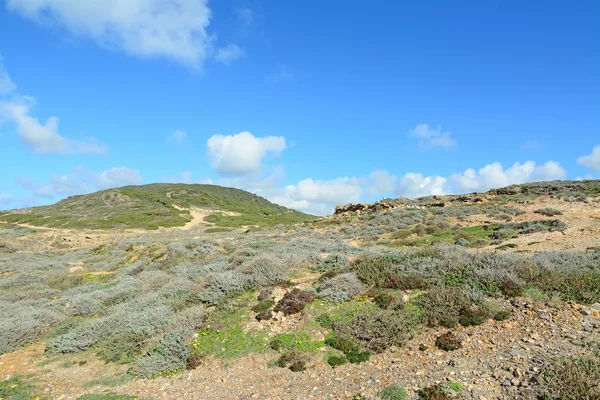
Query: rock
[506,382]
[515,353]
[517,373]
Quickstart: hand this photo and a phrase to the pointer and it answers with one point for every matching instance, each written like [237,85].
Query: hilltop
[158,205]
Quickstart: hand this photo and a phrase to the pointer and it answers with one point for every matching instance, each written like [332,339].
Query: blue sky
[309,103]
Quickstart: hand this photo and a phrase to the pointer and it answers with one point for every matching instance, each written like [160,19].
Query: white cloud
[381,182]
[491,176]
[121,176]
[6,84]
[242,153]
[43,137]
[417,185]
[40,137]
[177,136]
[430,137]
[592,161]
[229,54]
[174,29]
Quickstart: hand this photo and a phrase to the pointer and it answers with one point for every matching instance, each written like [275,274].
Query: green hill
[157,205]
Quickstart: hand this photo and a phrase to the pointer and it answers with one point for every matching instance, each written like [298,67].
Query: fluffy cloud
[229,54]
[174,29]
[121,176]
[242,153]
[592,161]
[177,136]
[321,197]
[42,137]
[417,185]
[491,176]
[380,181]
[430,137]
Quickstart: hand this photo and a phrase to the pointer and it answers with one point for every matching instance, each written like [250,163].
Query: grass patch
[225,337]
[16,388]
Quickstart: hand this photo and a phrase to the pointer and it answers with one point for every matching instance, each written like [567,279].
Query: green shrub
[502,315]
[548,212]
[380,329]
[121,348]
[263,305]
[473,316]
[510,288]
[325,321]
[384,301]
[336,360]
[169,355]
[434,392]
[341,343]
[393,392]
[333,263]
[264,315]
[443,306]
[448,342]
[571,378]
[357,356]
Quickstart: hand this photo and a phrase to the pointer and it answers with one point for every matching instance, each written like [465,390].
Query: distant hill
[157,205]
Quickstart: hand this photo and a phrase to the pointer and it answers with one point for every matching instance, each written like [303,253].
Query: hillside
[157,205]
[483,296]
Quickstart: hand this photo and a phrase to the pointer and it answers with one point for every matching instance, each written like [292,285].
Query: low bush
[332,263]
[292,361]
[443,306]
[393,392]
[448,342]
[195,361]
[502,315]
[473,316]
[511,288]
[293,302]
[324,321]
[357,356]
[380,329]
[121,348]
[548,212]
[262,306]
[340,288]
[434,392]
[341,343]
[336,360]
[264,315]
[170,354]
[571,378]
[384,301]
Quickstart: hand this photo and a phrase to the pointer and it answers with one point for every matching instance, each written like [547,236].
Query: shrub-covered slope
[156,205]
